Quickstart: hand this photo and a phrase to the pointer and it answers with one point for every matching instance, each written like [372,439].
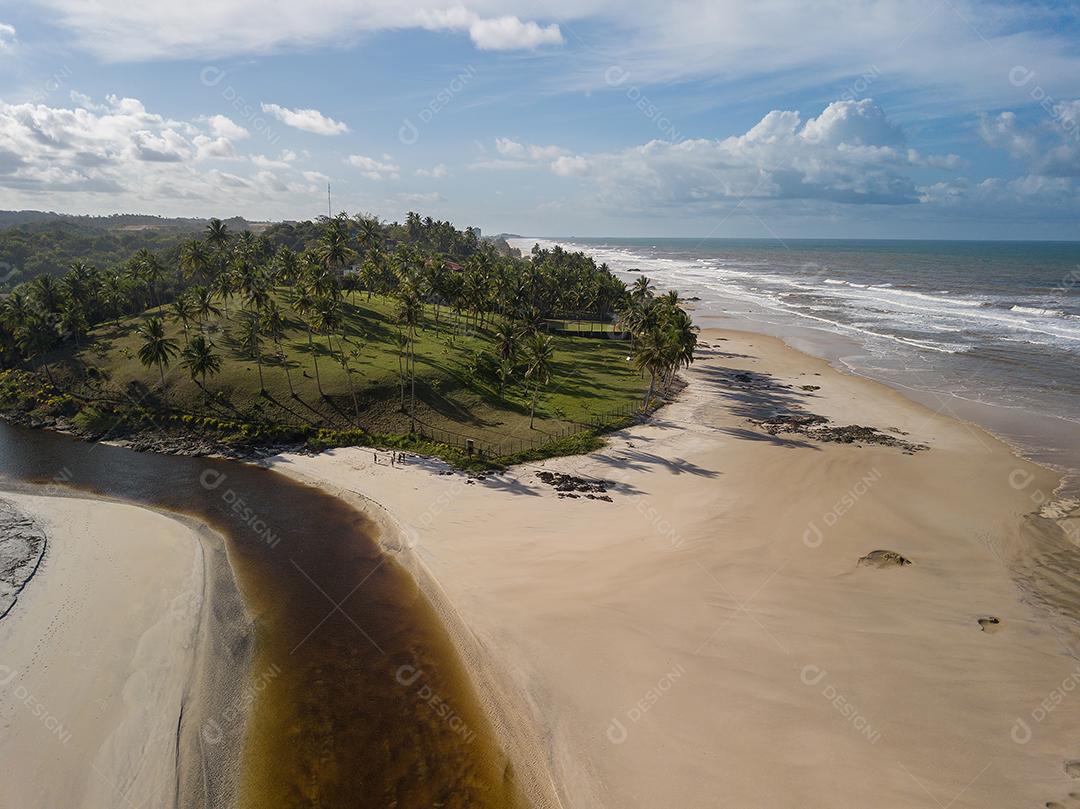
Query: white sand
[707,639]
[95,658]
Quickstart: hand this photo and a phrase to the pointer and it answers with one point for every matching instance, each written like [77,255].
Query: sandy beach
[101,657]
[710,636]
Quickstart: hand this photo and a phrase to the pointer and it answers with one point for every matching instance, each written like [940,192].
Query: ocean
[985,331]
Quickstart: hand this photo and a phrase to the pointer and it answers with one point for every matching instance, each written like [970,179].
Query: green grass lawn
[592,378]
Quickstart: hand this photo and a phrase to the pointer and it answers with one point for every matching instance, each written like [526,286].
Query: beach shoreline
[138,603]
[597,617]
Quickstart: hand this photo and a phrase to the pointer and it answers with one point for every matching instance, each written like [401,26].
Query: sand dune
[709,636]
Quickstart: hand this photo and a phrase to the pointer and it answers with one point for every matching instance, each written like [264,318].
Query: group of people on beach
[395,458]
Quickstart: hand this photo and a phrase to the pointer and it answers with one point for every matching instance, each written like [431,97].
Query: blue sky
[890,118]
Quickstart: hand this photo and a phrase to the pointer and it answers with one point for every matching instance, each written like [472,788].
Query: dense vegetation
[337,330]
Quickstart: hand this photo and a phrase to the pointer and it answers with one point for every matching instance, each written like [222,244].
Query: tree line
[241,277]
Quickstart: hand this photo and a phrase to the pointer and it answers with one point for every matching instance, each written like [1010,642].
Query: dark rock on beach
[566,485]
[880,559]
[817,427]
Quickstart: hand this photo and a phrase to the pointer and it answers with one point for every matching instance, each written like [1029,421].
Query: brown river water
[361,700]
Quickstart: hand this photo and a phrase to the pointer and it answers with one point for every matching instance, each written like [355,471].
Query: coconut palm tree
[200,360]
[303,302]
[17,310]
[195,260]
[217,234]
[47,294]
[184,310]
[541,358]
[204,305]
[152,271]
[157,348]
[273,326]
[72,319]
[251,338]
[36,339]
[223,288]
[410,310]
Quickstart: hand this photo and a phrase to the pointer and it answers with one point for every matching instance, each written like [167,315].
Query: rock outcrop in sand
[880,559]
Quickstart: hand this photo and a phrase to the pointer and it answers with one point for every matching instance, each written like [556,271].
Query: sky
[695,118]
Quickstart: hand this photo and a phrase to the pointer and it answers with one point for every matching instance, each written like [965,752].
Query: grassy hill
[457,391]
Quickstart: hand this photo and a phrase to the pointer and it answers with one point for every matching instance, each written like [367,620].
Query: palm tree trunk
[315,359]
[285,365]
[258,362]
[532,409]
[652,385]
[412,383]
[161,370]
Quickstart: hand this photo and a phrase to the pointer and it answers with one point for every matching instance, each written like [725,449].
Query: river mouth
[357,697]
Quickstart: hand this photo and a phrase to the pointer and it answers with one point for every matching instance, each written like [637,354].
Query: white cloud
[436,172]
[8,37]
[510,33]
[306,119]
[422,199]
[1049,147]
[850,153]
[119,155]
[119,30]
[225,127]
[375,169]
[569,165]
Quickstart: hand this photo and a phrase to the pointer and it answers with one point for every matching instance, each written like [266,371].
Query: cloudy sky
[832,118]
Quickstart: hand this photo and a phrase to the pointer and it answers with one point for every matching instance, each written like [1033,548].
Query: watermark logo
[214,731]
[1059,111]
[409,132]
[1021,732]
[212,76]
[409,676]
[813,536]
[615,76]
[212,479]
[617,731]
[22,695]
[813,676]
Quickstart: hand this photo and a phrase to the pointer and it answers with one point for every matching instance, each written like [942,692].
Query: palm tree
[152,271]
[655,352]
[36,338]
[72,319]
[204,304]
[410,309]
[183,310]
[223,287]
[115,294]
[541,356]
[303,302]
[195,260]
[200,360]
[217,234]
[273,325]
[156,348]
[333,249]
[17,310]
[642,289]
[251,339]
[47,294]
